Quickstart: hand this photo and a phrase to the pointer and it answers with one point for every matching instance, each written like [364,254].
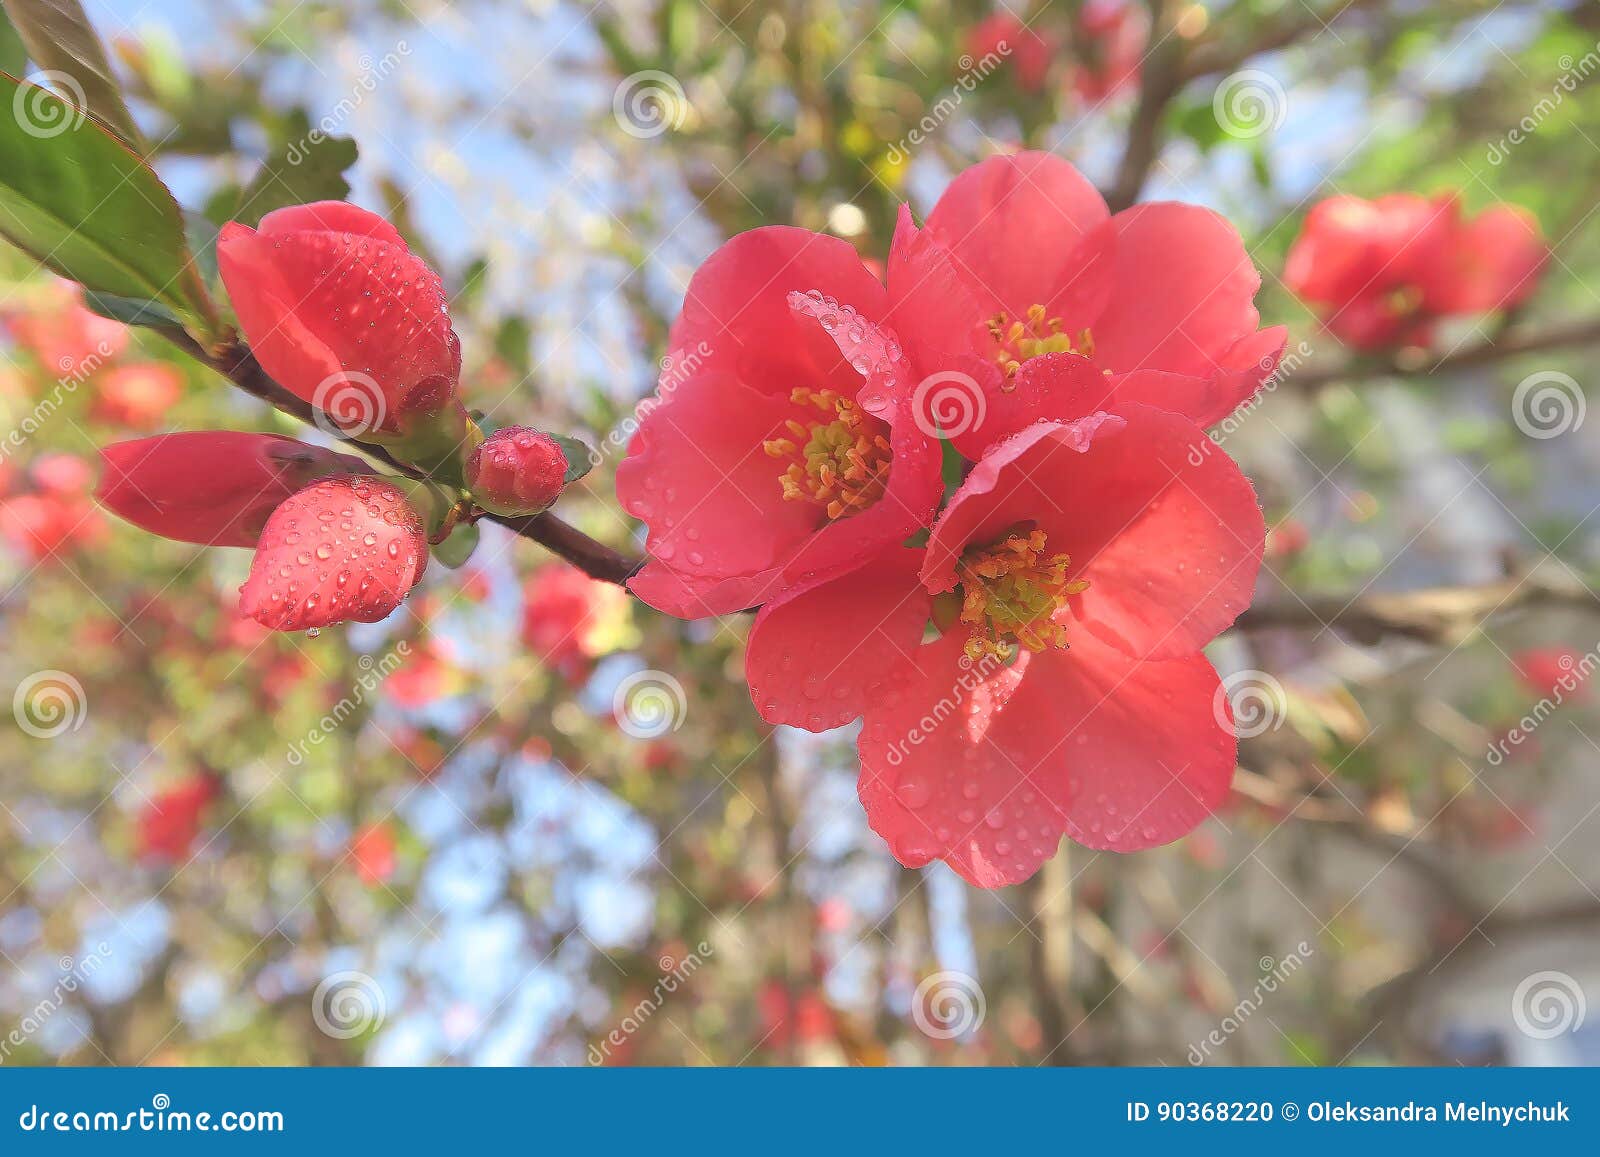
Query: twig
[239,366]
[1433,615]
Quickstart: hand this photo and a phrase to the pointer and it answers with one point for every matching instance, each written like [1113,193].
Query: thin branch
[239,366]
[1434,615]
[1569,335]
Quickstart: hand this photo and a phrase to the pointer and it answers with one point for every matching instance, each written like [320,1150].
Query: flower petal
[940,778]
[1146,749]
[1182,291]
[818,654]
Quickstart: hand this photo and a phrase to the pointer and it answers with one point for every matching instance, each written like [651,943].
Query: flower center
[840,464]
[1017,341]
[1011,591]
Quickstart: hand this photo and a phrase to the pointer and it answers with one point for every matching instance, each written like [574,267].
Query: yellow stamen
[1017,341]
[1011,592]
[842,464]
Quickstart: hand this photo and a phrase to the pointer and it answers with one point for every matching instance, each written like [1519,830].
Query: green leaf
[580,459]
[76,199]
[309,169]
[455,550]
[62,42]
[132,311]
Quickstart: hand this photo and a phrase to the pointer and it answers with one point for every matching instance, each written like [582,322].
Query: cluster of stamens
[1011,591]
[840,464]
[1017,341]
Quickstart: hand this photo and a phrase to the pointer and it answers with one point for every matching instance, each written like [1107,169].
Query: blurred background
[525,822]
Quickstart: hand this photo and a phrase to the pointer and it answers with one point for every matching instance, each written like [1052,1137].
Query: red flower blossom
[372,849]
[1029,300]
[1386,270]
[69,340]
[346,548]
[1002,34]
[1548,671]
[212,487]
[1112,35]
[516,471]
[169,822]
[342,314]
[138,395]
[56,515]
[779,447]
[1076,574]
[420,680]
[564,614]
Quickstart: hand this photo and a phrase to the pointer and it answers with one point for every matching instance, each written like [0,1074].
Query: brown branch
[1568,335]
[1434,615]
[239,366]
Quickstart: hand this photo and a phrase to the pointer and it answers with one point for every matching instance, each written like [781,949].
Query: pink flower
[565,614]
[1547,671]
[1385,271]
[1032,301]
[343,315]
[780,446]
[69,340]
[168,824]
[1002,34]
[1113,35]
[1076,574]
[137,395]
[373,849]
